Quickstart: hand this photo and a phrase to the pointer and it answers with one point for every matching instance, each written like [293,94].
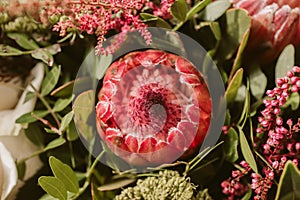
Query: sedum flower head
[168,185]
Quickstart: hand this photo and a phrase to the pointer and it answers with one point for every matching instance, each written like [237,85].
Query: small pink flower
[153,107]
[275,24]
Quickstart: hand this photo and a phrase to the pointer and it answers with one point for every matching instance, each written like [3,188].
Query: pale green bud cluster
[168,185]
[19,24]
[4,17]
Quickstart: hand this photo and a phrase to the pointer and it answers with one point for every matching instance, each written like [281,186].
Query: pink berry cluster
[94,17]
[276,139]
[232,187]
[163,10]
[261,185]
[281,138]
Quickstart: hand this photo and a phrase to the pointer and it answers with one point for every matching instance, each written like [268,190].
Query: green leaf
[197,8]
[6,50]
[50,80]
[21,168]
[233,86]
[44,55]
[246,151]
[215,28]
[66,120]
[64,173]
[29,117]
[230,146]
[293,101]
[258,81]
[248,195]
[238,59]
[116,184]
[23,40]
[53,49]
[46,197]
[65,90]
[103,62]
[215,10]
[72,132]
[83,108]
[29,95]
[154,21]
[285,61]
[289,183]
[35,134]
[54,187]
[179,9]
[235,34]
[61,104]
[48,130]
[246,107]
[238,22]
[55,143]
[96,194]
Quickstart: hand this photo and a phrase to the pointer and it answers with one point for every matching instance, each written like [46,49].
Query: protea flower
[275,24]
[153,107]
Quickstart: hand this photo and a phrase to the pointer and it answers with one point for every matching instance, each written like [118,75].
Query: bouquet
[170,99]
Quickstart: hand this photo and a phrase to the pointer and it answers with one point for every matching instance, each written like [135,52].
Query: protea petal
[153,107]
[275,23]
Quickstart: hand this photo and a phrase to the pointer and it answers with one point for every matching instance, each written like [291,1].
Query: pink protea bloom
[275,24]
[153,108]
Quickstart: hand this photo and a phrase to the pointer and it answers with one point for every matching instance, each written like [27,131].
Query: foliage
[258,153]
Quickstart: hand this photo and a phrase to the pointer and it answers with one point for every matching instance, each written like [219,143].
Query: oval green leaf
[179,10]
[65,174]
[230,146]
[215,10]
[246,151]
[233,86]
[61,104]
[258,81]
[289,183]
[55,143]
[285,61]
[50,80]
[66,120]
[44,55]
[6,50]
[30,117]
[23,40]
[54,187]
[197,8]
[82,110]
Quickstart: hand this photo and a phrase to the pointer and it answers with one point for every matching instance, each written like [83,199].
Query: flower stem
[88,176]
[46,104]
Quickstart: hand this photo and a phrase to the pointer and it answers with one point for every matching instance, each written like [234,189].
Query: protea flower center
[153,108]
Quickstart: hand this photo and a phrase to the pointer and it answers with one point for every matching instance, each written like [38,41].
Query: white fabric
[14,143]
[8,117]
[8,172]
